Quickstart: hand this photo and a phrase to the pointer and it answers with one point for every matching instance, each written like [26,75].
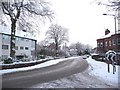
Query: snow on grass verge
[45,64]
[99,69]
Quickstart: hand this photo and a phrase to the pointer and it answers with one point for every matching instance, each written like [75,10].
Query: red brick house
[108,42]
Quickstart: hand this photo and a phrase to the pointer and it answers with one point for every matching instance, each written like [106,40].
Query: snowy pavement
[99,69]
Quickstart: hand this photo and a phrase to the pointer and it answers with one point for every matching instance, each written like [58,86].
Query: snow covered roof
[106,36]
[6,30]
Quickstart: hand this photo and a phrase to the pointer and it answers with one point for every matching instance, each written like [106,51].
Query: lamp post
[114,20]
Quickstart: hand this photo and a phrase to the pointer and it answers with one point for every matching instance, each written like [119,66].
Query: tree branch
[5,10]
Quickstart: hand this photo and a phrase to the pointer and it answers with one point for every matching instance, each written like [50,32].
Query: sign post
[108,67]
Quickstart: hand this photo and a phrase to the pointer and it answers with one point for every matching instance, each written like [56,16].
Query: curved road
[27,79]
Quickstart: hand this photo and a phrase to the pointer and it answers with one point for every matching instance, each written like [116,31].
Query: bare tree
[58,35]
[111,4]
[80,48]
[22,11]
[77,47]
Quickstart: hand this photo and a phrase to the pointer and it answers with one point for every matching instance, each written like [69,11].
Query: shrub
[8,61]
[41,57]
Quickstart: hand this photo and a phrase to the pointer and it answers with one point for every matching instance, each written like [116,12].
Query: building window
[101,44]
[21,48]
[26,48]
[109,43]
[5,47]
[106,43]
[113,42]
[16,47]
[118,41]
[4,56]
[98,44]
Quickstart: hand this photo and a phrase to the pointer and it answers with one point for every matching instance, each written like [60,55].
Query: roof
[108,35]
[21,34]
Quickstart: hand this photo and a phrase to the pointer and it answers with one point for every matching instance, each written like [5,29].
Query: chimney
[107,31]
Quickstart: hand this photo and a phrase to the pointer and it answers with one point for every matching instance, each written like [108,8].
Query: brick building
[108,42]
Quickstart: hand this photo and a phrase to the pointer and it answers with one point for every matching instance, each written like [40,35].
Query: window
[21,48]
[26,48]
[106,43]
[113,42]
[101,44]
[98,44]
[16,47]
[109,43]
[118,41]
[4,56]
[5,47]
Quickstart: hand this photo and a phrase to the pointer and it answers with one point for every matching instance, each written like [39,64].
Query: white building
[24,46]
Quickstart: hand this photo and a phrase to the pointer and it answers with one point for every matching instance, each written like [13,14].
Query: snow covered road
[30,78]
[96,76]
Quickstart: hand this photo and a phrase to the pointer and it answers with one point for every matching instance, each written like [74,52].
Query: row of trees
[80,49]
[76,49]
[55,43]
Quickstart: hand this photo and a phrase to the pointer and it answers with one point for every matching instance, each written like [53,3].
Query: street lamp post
[114,20]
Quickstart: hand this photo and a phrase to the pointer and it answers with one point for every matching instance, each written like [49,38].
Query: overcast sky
[83,19]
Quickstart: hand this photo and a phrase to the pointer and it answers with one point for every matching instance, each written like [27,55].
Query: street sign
[111,57]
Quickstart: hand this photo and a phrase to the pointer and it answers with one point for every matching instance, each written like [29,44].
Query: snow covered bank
[45,64]
[99,69]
